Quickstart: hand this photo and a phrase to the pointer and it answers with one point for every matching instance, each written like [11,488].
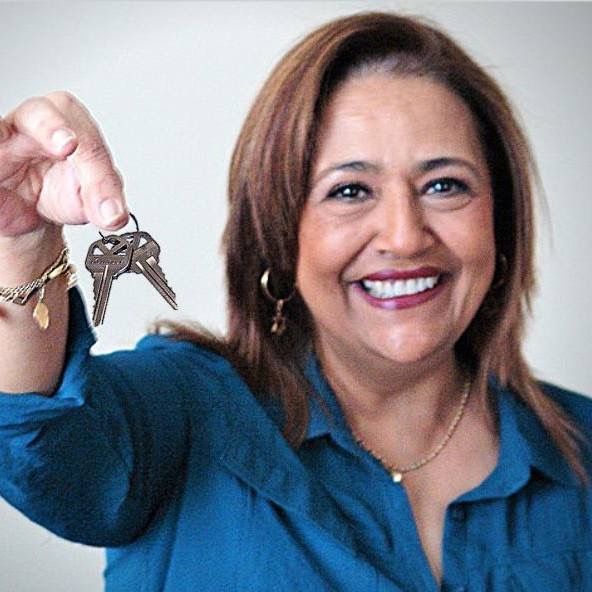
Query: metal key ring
[135,222]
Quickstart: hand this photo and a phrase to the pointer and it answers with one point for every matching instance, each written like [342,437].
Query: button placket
[458,513]
[455,544]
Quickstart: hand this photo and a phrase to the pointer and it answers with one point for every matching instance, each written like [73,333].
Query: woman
[369,422]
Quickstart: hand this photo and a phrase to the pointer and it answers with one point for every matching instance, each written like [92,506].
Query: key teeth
[158,269]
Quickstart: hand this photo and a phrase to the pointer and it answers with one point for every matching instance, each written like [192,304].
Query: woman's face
[396,240]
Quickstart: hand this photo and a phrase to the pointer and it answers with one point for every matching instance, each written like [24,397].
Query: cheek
[309,248]
[322,252]
[476,246]
[485,237]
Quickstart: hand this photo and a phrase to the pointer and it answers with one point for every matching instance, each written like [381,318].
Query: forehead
[389,114]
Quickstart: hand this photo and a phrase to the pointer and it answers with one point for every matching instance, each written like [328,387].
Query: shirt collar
[526,450]
[326,417]
[523,431]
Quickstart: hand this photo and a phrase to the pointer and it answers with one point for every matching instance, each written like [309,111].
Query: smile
[386,289]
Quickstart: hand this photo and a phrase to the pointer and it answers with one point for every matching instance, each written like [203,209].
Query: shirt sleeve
[93,461]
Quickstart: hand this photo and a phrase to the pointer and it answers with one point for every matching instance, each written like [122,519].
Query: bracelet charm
[21,294]
[41,312]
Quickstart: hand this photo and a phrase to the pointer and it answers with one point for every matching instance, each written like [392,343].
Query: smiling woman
[368,422]
[398,158]
[407,230]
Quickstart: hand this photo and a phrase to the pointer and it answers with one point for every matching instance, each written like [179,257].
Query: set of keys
[132,252]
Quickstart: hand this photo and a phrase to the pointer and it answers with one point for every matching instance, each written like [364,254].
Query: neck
[418,398]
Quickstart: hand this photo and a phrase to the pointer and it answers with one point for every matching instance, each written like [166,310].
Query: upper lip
[402,274]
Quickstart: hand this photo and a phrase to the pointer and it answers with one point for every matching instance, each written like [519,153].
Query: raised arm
[92,461]
[55,169]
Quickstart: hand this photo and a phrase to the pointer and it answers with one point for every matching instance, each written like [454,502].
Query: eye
[350,192]
[445,187]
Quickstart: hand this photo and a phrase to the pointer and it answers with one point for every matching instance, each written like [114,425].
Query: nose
[402,228]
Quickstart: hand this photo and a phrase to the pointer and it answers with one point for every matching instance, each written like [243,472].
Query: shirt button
[459,514]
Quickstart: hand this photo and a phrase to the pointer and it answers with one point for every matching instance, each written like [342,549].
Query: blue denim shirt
[164,456]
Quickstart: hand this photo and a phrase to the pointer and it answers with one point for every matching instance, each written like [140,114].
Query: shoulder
[183,356]
[153,354]
[167,345]
[217,396]
[167,371]
[165,363]
[577,405]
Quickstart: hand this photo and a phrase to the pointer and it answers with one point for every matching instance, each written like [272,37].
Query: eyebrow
[424,166]
[436,163]
[352,165]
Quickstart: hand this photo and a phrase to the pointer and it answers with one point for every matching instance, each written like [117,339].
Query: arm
[32,359]
[90,458]
[94,461]
[55,169]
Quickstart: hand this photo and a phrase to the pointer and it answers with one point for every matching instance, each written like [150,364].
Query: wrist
[25,257]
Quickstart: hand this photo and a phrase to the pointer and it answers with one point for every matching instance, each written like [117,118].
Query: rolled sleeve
[91,462]
[30,408]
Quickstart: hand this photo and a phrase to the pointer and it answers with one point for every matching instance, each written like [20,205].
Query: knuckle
[108,184]
[93,150]
[30,106]
[63,99]
[43,126]
[37,115]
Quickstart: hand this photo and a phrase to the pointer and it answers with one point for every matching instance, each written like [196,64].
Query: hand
[56,169]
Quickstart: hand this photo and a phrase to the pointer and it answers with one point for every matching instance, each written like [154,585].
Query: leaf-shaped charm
[41,315]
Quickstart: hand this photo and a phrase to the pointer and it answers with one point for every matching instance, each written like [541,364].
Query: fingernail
[111,210]
[61,138]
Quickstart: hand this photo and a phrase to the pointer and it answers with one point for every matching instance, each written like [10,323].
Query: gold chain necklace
[398,472]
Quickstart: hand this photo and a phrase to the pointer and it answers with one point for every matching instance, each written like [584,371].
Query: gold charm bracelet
[21,294]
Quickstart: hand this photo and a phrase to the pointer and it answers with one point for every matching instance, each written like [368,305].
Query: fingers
[40,120]
[57,126]
[101,186]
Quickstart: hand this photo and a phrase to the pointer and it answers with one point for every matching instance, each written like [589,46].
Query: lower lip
[402,302]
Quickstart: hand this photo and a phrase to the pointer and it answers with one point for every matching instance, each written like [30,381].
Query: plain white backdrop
[170,84]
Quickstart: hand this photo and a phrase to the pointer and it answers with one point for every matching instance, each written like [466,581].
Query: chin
[411,353]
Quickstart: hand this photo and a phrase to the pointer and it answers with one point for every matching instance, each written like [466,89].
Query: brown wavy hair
[269,184]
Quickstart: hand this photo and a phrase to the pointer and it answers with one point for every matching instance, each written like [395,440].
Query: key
[145,256]
[106,259]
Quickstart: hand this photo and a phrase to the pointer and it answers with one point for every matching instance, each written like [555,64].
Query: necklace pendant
[396,476]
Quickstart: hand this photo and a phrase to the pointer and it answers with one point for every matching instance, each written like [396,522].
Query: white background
[170,84]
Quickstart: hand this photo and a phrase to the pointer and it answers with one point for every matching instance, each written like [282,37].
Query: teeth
[393,288]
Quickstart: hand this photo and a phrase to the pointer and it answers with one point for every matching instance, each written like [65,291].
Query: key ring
[135,222]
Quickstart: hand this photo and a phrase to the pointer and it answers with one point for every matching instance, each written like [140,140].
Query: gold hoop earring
[278,325]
